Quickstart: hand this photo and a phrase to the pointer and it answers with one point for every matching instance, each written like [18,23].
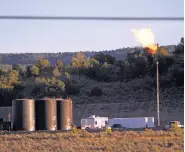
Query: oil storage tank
[45,110]
[64,114]
[23,115]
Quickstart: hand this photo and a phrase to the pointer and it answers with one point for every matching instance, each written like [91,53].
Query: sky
[20,36]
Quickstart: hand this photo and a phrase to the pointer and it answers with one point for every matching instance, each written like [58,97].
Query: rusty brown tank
[64,114]
[45,110]
[23,115]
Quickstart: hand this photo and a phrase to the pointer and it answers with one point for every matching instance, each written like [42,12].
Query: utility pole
[158,116]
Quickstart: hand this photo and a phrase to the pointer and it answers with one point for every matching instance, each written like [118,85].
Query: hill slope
[128,99]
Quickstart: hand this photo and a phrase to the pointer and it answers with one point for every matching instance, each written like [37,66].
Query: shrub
[85,134]
[149,132]
[72,89]
[74,130]
[96,91]
[51,92]
[108,131]
[177,130]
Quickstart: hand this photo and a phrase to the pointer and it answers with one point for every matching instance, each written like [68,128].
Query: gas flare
[146,38]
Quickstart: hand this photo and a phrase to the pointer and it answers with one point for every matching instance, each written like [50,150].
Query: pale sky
[70,36]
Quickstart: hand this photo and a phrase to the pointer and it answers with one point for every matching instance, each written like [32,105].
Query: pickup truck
[175,123]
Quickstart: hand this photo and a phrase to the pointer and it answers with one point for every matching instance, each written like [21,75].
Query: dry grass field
[128,141]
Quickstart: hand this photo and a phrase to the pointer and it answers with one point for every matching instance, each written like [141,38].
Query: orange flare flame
[146,38]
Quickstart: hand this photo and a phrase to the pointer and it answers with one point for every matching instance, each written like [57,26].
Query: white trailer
[93,122]
[135,122]
[151,122]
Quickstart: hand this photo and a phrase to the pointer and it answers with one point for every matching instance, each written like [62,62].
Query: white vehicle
[135,122]
[93,122]
[176,123]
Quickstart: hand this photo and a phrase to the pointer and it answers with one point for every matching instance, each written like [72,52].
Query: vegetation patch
[130,141]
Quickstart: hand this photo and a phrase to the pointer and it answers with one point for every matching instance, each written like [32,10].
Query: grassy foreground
[128,141]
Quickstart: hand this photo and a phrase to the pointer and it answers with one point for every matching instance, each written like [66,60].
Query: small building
[94,122]
[5,113]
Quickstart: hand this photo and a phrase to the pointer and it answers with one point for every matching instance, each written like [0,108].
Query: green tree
[124,72]
[139,67]
[1,71]
[40,80]
[66,78]
[67,68]
[19,68]
[32,71]
[105,65]
[52,81]
[105,58]
[105,73]
[130,58]
[182,40]
[42,64]
[51,92]
[59,85]
[93,62]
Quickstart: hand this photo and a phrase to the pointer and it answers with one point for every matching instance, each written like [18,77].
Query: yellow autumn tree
[162,51]
[78,60]
[13,77]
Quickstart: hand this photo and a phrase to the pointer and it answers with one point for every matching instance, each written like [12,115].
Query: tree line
[43,79]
